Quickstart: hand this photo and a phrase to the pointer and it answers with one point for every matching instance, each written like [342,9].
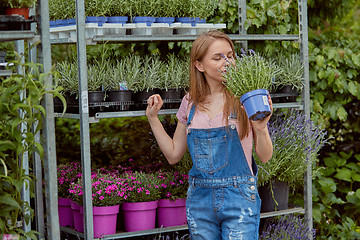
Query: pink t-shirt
[202,120]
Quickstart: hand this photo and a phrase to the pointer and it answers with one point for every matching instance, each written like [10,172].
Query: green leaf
[6,145]
[344,174]
[317,214]
[353,198]
[330,162]
[353,88]
[8,200]
[332,54]
[358,193]
[342,114]
[356,177]
[271,13]
[282,29]
[335,200]
[328,185]
[320,60]
[356,59]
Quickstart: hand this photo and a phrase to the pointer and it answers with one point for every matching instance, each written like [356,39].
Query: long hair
[199,88]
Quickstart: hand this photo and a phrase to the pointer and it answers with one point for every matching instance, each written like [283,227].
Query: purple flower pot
[139,216]
[171,213]
[256,104]
[78,217]
[65,212]
[104,219]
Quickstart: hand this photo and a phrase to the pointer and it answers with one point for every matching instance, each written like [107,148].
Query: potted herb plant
[96,75]
[119,11]
[249,77]
[173,80]
[149,79]
[68,81]
[20,7]
[143,11]
[290,81]
[115,84]
[296,144]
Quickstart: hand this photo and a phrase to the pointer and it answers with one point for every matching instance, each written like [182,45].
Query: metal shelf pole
[242,18]
[84,120]
[37,164]
[304,46]
[50,167]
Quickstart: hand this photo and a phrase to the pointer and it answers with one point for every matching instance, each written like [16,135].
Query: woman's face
[218,55]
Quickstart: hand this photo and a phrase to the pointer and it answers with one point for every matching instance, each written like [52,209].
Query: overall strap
[233,115]
[191,115]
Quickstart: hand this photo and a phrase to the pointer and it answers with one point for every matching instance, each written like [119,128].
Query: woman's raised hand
[154,105]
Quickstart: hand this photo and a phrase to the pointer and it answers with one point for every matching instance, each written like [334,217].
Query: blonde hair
[199,88]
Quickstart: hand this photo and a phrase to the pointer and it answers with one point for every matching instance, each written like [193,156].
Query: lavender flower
[296,143]
[289,227]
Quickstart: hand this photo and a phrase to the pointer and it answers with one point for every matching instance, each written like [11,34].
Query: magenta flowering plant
[66,174]
[142,187]
[173,185]
[107,190]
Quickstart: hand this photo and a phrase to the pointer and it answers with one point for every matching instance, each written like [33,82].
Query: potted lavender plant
[290,81]
[115,84]
[149,79]
[249,77]
[296,144]
[173,80]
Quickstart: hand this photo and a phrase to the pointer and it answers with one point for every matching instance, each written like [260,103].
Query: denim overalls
[223,201]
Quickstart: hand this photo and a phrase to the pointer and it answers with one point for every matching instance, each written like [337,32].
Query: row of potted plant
[156,192]
[61,9]
[129,80]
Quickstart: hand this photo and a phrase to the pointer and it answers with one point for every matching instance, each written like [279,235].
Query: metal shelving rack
[53,229]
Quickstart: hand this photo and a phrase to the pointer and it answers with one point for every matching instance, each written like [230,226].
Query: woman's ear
[199,66]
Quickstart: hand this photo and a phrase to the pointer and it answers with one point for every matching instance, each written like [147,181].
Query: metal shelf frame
[51,197]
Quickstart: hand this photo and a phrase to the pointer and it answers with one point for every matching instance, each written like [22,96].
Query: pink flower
[101,197]
[168,194]
[147,192]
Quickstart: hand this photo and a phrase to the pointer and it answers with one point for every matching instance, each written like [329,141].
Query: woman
[222,202]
